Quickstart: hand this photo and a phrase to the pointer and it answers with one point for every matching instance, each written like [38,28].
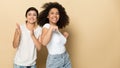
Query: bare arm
[17,36]
[36,41]
[46,34]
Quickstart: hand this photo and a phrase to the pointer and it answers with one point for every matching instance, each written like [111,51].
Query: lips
[32,19]
[54,19]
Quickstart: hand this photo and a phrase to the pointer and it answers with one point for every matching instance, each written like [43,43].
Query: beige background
[94,29]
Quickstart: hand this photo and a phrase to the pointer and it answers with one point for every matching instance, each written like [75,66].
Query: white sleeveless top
[27,53]
[57,43]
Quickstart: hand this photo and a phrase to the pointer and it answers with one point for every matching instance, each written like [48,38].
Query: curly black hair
[42,17]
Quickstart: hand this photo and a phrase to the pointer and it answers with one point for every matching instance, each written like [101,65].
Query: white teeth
[54,18]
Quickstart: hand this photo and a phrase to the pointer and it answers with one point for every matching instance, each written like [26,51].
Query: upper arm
[44,32]
[15,41]
[15,34]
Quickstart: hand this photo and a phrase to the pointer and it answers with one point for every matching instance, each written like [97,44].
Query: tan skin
[31,25]
[53,17]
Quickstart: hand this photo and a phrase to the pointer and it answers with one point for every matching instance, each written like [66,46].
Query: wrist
[32,35]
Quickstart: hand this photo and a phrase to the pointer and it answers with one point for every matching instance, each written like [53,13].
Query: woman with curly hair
[54,18]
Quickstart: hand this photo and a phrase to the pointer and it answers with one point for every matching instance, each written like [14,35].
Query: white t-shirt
[26,52]
[57,43]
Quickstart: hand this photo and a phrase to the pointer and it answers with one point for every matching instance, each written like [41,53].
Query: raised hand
[18,31]
[54,28]
[17,36]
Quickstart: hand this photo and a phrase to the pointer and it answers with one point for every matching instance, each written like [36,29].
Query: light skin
[53,17]
[31,25]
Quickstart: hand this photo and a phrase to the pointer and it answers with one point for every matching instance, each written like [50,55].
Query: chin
[55,22]
[32,22]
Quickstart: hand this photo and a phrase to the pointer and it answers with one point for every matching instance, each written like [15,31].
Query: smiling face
[31,17]
[53,16]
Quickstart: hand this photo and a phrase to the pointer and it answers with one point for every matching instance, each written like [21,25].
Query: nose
[55,15]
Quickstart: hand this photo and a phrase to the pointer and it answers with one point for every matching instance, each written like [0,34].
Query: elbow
[39,48]
[14,45]
[44,43]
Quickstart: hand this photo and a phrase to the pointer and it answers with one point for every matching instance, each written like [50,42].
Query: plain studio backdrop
[94,28]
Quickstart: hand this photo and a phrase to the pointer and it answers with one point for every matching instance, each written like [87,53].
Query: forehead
[31,11]
[53,10]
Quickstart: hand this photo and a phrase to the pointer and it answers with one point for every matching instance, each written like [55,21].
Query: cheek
[58,16]
[35,17]
[49,16]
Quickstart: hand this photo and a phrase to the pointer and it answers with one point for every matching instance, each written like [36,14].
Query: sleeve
[46,26]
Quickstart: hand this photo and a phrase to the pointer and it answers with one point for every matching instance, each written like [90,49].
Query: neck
[31,26]
[53,23]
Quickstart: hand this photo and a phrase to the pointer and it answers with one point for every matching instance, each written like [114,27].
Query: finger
[56,28]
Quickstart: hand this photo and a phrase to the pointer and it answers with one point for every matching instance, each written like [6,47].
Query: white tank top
[26,52]
[57,42]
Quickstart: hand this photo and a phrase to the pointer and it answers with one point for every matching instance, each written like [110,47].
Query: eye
[57,13]
[52,13]
[34,14]
[29,14]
